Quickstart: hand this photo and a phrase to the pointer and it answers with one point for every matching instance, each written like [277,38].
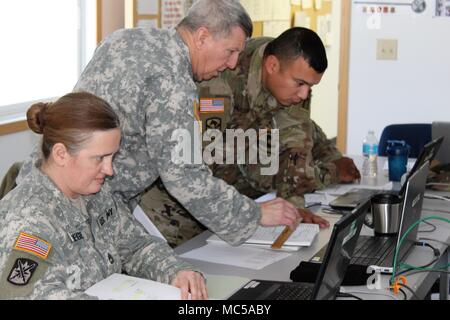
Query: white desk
[420,283]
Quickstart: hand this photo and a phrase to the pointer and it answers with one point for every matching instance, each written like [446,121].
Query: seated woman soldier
[61,231]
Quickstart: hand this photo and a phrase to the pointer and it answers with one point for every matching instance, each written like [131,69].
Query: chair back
[416,135]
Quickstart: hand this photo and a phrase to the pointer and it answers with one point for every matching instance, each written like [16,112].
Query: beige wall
[324,109]
[112,16]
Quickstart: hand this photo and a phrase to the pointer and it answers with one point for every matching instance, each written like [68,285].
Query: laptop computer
[337,257]
[352,198]
[376,252]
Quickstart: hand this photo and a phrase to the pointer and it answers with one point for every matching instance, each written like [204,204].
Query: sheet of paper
[281,10]
[275,27]
[266,197]
[303,236]
[140,216]
[172,11]
[307,4]
[123,287]
[244,257]
[301,19]
[318,198]
[147,23]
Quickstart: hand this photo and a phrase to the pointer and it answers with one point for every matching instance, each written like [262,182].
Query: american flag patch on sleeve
[208,105]
[33,245]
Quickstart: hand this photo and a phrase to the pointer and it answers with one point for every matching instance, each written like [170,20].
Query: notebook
[353,197]
[339,251]
[303,236]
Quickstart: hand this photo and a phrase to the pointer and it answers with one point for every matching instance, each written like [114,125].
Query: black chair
[416,135]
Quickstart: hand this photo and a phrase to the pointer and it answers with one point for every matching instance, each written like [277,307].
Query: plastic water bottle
[370,153]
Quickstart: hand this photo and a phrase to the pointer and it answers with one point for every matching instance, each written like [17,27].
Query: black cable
[405,297]
[313,204]
[432,225]
[435,259]
[348,295]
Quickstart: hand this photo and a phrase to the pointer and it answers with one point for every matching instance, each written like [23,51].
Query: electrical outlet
[386,49]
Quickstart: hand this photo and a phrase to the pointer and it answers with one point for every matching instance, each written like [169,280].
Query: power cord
[428,231]
[436,254]
[434,196]
[397,282]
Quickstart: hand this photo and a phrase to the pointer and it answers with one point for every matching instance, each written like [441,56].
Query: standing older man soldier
[147,76]
[270,88]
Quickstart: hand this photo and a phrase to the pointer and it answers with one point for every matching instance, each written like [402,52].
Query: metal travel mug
[386,213]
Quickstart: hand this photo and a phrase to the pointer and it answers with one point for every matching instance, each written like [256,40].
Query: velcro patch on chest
[34,245]
[212,105]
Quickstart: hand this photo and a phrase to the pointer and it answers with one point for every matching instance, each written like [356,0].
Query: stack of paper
[240,256]
[123,287]
[303,236]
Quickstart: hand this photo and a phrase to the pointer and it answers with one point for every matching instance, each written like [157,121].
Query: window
[44,46]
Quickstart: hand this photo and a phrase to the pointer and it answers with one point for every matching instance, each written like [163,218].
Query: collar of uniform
[56,195]
[255,90]
[184,50]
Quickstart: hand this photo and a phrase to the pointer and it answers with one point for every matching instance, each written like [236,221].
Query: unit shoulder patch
[22,271]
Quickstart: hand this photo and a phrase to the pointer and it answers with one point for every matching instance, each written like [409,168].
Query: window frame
[13,116]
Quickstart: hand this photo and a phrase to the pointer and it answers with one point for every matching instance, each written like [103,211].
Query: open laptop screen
[338,254]
[412,207]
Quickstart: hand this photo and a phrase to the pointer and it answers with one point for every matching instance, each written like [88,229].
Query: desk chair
[442,129]
[416,135]
[9,180]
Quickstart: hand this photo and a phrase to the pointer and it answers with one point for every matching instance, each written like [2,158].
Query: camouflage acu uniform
[146,76]
[78,243]
[306,154]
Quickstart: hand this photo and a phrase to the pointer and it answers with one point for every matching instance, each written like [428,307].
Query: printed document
[303,236]
[241,256]
[122,287]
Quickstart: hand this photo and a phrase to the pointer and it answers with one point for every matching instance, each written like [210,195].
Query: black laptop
[353,197]
[376,253]
[337,257]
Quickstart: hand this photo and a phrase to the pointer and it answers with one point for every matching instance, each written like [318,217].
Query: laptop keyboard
[372,250]
[291,292]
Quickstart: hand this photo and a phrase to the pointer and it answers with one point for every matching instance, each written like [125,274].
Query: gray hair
[218,16]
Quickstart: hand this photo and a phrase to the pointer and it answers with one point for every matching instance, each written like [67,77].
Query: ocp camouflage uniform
[78,243]
[306,154]
[146,76]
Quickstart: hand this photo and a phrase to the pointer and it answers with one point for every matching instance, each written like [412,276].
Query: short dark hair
[299,42]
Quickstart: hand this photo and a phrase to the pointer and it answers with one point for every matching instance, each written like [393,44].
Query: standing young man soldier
[269,88]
